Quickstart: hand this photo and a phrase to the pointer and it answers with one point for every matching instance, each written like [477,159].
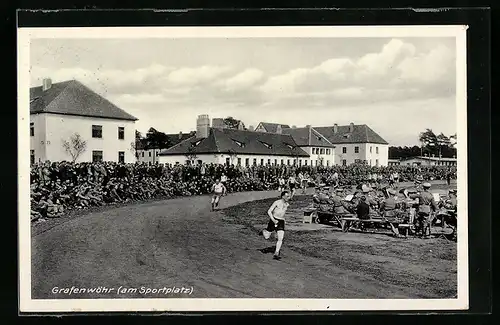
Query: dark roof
[303,137]
[273,127]
[361,134]
[176,138]
[73,98]
[226,141]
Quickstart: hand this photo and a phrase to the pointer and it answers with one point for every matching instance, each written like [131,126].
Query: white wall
[382,156]
[149,156]
[363,153]
[221,159]
[37,142]
[328,160]
[62,127]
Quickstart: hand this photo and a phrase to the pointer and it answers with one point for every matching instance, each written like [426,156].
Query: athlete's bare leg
[281,235]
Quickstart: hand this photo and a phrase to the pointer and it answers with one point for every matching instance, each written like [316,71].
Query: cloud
[196,76]
[242,80]
[397,71]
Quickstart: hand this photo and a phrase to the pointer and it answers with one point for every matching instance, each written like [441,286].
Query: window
[370,162]
[267,145]
[327,151]
[295,162]
[241,144]
[247,162]
[300,163]
[305,162]
[269,161]
[96,156]
[262,162]
[255,161]
[344,162]
[32,156]
[344,149]
[143,154]
[32,129]
[322,151]
[150,153]
[281,161]
[314,151]
[239,161]
[121,133]
[376,150]
[157,153]
[275,162]
[376,162]
[121,156]
[328,163]
[371,149]
[356,149]
[227,161]
[96,131]
[288,162]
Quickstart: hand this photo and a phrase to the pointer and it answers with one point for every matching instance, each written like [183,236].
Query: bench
[310,215]
[348,221]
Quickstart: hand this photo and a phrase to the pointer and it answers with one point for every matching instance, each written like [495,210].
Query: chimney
[278,129]
[310,133]
[308,126]
[46,84]
[294,127]
[180,135]
[251,128]
[240,126]
[351,128]
[202,126]
[335,128]
[218,123]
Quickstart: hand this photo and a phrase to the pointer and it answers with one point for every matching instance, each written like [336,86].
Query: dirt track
[181,243]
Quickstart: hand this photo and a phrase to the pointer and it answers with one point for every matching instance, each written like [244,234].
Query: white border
[101,305]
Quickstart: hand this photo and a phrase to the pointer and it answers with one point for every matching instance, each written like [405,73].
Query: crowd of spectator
[57,187]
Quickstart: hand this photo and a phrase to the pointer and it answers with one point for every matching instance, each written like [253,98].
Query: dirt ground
[181,243]
[427,268]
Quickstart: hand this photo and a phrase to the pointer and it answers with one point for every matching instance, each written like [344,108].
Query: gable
[74,98]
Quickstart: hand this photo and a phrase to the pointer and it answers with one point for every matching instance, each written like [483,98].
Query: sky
[397,86]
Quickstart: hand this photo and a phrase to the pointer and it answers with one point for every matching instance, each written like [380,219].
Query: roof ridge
[321,135]
[58,95]
[178,144]
[217,148]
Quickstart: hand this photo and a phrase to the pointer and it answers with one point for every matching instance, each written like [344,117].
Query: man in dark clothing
[363,209]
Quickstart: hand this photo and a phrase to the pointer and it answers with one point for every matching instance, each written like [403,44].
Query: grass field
[426,267]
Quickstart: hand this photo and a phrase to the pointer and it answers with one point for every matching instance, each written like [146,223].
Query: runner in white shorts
[219,190]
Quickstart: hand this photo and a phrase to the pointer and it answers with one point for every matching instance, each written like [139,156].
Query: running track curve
[179,242]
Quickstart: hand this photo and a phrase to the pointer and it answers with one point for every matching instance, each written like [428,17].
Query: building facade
[429,161]
[321,151]
[62,112]
[245,148]
[356,144]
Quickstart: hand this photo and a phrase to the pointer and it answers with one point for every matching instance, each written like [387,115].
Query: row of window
[321,151]
[356,149]
[96,156]
[275,162]
[96,131]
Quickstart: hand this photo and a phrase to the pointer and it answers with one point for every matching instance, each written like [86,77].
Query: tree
[191,154]
[156,140]
[429,141]
[75,146]
[232,123]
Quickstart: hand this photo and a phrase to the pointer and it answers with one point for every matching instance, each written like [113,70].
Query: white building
[321,151]
[429,161]
[150,156]
[221,145]
[60,111]
[356,144]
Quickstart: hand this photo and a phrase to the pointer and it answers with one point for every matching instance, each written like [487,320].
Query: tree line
[432,144]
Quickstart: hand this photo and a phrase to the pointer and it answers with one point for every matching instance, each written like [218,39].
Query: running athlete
[292,183]
[281,184]
[277,221]
[219,190]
